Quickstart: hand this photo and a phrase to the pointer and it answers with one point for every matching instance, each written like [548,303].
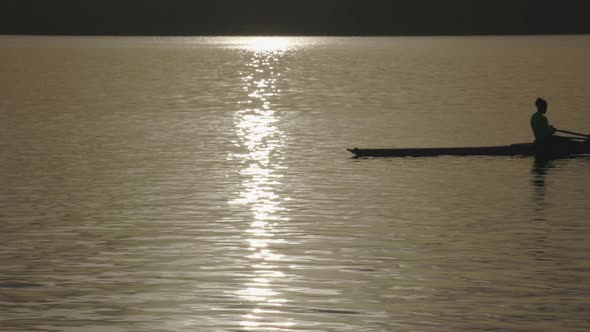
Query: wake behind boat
[522,149]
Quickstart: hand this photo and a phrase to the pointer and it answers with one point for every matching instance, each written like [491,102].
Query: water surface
[182,184]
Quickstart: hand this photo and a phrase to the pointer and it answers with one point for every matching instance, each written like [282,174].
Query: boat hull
[522,149]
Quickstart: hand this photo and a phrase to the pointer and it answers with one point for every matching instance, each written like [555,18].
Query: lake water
[203,184]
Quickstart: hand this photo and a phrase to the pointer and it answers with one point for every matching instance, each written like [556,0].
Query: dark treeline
[293,17]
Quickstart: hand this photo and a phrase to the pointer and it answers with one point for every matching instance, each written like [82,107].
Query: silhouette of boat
[521,149]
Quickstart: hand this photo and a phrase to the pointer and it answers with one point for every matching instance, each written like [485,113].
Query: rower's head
[541,105]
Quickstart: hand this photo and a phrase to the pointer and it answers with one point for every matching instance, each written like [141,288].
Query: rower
[544,133]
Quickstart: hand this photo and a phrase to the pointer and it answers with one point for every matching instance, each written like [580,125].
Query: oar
[572,133]
[576,138]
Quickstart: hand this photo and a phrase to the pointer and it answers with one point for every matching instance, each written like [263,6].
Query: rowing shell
[522,149]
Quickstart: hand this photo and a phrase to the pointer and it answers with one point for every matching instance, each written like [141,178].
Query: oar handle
[572,133]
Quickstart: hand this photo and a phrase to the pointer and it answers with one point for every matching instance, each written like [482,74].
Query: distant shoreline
[295,17]
[285,35]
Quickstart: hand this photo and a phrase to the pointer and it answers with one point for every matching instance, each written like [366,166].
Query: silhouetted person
[544,133]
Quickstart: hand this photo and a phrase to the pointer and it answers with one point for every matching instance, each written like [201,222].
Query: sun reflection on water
[260,142]
[266,44]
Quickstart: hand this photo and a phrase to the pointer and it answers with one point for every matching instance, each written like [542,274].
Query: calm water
[202,184]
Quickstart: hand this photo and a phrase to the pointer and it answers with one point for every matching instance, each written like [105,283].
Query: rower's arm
[541,127]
